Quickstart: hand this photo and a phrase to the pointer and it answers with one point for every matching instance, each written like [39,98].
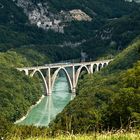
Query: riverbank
[49,106]
[31,107]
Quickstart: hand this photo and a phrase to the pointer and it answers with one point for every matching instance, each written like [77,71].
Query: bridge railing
[79,60]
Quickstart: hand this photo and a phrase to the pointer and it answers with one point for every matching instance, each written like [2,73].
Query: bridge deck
[58,65]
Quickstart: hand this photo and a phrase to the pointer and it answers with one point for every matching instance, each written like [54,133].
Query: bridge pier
[49,82]
[73,80]
[73,91]
[97,69]
[91,69]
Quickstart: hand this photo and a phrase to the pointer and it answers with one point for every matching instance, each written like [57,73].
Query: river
[50,106]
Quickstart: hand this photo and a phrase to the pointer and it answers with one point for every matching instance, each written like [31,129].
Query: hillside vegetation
[17,91]
[16,31]
[92,136]
[10,13]
[103,8]
[105,101]
[114,36]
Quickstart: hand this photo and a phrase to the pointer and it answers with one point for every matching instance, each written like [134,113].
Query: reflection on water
[50,106]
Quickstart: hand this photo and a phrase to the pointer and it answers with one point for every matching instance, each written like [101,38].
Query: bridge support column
[73,91]
[73,80]
[91,68]
[97,69]
[107,63]
[26,72]
[49,82]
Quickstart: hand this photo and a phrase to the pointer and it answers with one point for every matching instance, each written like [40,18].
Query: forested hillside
[104,35]
[106,100]
[114,36]
[11,14]
[18,92]
[103,8]
[21,36]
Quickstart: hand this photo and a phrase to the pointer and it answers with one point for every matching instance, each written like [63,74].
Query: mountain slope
[11,14]
[103,8]
[105,101]
[18,92]
[114,36]
[16,30]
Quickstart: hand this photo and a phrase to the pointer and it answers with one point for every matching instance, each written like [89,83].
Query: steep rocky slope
[53,14]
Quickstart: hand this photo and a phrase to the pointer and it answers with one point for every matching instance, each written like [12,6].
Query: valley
[36,33]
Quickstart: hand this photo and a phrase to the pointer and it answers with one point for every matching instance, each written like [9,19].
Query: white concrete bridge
[49,72]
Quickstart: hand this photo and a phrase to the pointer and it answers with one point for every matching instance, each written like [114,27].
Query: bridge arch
[67,76]
[95,67]
[26,71]
[104,64]
[100,66]
[44,80]
[79,71]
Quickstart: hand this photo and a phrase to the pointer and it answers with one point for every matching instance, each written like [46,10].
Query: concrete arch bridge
[49,72]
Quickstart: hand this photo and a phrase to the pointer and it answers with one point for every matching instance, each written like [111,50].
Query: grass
[94,136]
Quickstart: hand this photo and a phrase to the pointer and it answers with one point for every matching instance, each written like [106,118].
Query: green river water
[50,106]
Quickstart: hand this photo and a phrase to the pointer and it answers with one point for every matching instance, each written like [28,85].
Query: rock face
[40,15]
[80,15]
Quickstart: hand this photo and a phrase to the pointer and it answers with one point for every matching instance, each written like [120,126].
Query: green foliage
[5,127]
[126,59]
[114,36]
[106,100]
[10,13]
[125,105]
[104,8]
[17,91]
[25,132]
[92,136]
[101,97]
[21,38]
[15,30]
[33,57]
